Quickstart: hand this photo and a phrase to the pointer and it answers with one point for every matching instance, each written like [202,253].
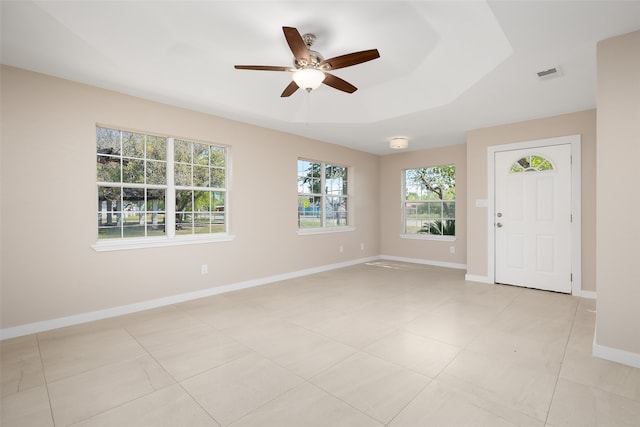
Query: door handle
[499,225]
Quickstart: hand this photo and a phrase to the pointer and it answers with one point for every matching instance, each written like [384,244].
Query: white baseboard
[616,355]
[485,279]
[476,278]
[46,325]
[425,262]
[587,294]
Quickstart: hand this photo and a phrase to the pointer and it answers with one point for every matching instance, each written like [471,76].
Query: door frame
[576,201]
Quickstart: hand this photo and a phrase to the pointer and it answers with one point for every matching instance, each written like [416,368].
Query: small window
[323,196]
[531,163]
[429,207]
[158,187]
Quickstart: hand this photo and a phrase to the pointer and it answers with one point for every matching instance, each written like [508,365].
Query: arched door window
[532,163]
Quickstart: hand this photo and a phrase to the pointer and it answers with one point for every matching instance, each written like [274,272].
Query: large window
[323,197]
[152,186]
[429,196]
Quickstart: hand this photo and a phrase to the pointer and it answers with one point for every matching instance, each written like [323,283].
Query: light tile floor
[383,343]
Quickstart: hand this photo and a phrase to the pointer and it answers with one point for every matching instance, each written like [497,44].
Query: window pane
[108,201]
[217,157]
[182,151]
[182,174]
[155,223]
[201,176]
[217,178]
[155,217]
[155,200]
[202,201]
[449,211]
[334,186]
[309,180]
[313,170]
[156,172]
[184,200]
[108,231]
[415,216]
[107,138]
[516,168]
[133,229]
[545,166]
[309,212]
[449,227]
[336,179]
[184,223]
[218,220]
[316,185]
[536,161]
[202,215]
[336,211]
[133,145]
[435,210]
[133,171]
[133,195]
[304,185]
[218,201]
[109,169]
[201,154]
[156,148]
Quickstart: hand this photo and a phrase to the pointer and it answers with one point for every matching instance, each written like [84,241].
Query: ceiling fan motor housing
[316,59]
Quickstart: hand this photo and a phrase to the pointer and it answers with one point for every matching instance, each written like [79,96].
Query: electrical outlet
[362,246]
[341,249]
[452,249]
[204,269]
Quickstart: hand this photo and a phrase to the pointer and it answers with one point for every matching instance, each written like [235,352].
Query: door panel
[533,217]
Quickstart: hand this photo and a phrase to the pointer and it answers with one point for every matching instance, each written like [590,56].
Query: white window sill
[428,237]
[306,231]
[157,242]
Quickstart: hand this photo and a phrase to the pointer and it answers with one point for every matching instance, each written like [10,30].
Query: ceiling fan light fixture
[308,78]
[399,143]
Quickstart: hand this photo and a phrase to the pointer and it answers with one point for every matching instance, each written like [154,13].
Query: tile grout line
[177,382]
[564,355]
[44,377]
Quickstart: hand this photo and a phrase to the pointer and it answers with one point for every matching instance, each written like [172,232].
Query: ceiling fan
[310,69]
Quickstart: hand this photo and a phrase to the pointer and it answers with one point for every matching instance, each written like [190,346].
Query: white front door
[533,217]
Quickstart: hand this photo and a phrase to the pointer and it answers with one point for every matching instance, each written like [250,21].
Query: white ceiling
[445,67]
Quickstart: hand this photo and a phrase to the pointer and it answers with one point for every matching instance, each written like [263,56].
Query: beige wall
[618,188]
[49,199]
[391,168]
[581,123]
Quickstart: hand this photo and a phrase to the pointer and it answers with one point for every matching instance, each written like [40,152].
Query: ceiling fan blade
[338,83]
[351,59]
[289,90]
[263,68]
[296,44]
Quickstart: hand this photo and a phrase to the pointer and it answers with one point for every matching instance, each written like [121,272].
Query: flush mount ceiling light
[308,78]
[399,143]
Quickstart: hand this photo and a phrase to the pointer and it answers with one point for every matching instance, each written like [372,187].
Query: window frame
[403,204]
[324,196]
[170,237]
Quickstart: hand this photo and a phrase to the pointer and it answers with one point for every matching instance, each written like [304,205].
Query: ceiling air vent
[549,73]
